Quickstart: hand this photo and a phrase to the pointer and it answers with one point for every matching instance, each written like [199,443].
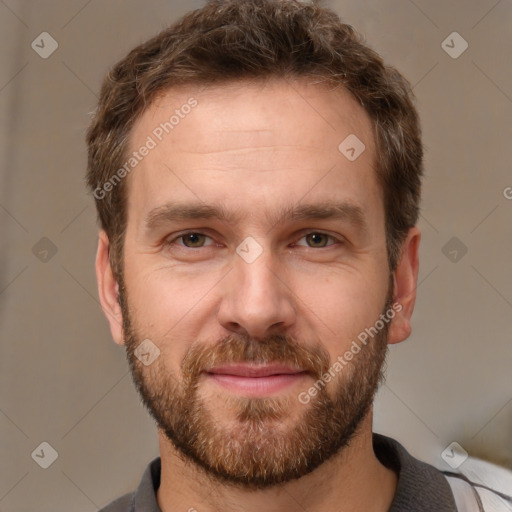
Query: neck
[354,479]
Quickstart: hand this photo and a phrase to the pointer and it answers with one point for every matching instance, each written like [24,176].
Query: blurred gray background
[63,381]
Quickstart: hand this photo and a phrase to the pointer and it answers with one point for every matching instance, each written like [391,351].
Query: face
[254,257]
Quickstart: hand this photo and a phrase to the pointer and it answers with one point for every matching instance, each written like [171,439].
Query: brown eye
[193,240]
[317,239]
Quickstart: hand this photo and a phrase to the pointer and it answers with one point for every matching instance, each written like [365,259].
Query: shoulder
[480,485]
[475,486]
[143,499]
[122,504]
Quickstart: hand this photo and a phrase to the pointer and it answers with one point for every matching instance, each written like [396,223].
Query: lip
[255,371]
[255,380]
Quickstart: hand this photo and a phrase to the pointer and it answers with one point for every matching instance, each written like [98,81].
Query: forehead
[253,111]
[239,142]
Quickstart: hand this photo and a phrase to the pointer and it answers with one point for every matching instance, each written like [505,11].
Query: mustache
[243,349]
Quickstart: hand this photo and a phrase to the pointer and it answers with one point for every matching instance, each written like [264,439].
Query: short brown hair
[231,40]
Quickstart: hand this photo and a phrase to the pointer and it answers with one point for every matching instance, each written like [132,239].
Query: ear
[108,289]
[404,291]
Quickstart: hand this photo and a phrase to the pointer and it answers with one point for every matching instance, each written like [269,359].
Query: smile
[256,380]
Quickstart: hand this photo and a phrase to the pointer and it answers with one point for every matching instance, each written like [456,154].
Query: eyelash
[172,241]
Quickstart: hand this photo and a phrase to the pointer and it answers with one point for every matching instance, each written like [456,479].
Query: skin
[254,148]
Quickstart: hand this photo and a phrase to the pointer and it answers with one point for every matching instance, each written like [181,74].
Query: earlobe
[108,289]
[405,283]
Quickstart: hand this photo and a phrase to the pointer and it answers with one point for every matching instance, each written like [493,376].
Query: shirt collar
[420,485]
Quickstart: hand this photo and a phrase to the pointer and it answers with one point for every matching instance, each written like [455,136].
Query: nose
[256,300]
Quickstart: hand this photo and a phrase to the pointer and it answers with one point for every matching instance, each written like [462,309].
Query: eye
[191,240]
[196,240]
[318,239]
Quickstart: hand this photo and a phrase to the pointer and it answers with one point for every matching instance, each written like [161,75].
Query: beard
[258,447]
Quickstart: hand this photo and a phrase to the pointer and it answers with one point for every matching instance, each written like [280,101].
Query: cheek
[170,308]
[342,304]
[163,293]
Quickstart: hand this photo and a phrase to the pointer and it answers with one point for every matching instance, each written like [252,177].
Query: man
[257,174]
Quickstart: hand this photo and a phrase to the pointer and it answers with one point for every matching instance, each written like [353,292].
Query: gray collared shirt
[421,487]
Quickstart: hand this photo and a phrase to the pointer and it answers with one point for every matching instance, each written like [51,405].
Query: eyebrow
[335,210]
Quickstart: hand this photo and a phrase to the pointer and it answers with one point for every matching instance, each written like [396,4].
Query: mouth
[256,380]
